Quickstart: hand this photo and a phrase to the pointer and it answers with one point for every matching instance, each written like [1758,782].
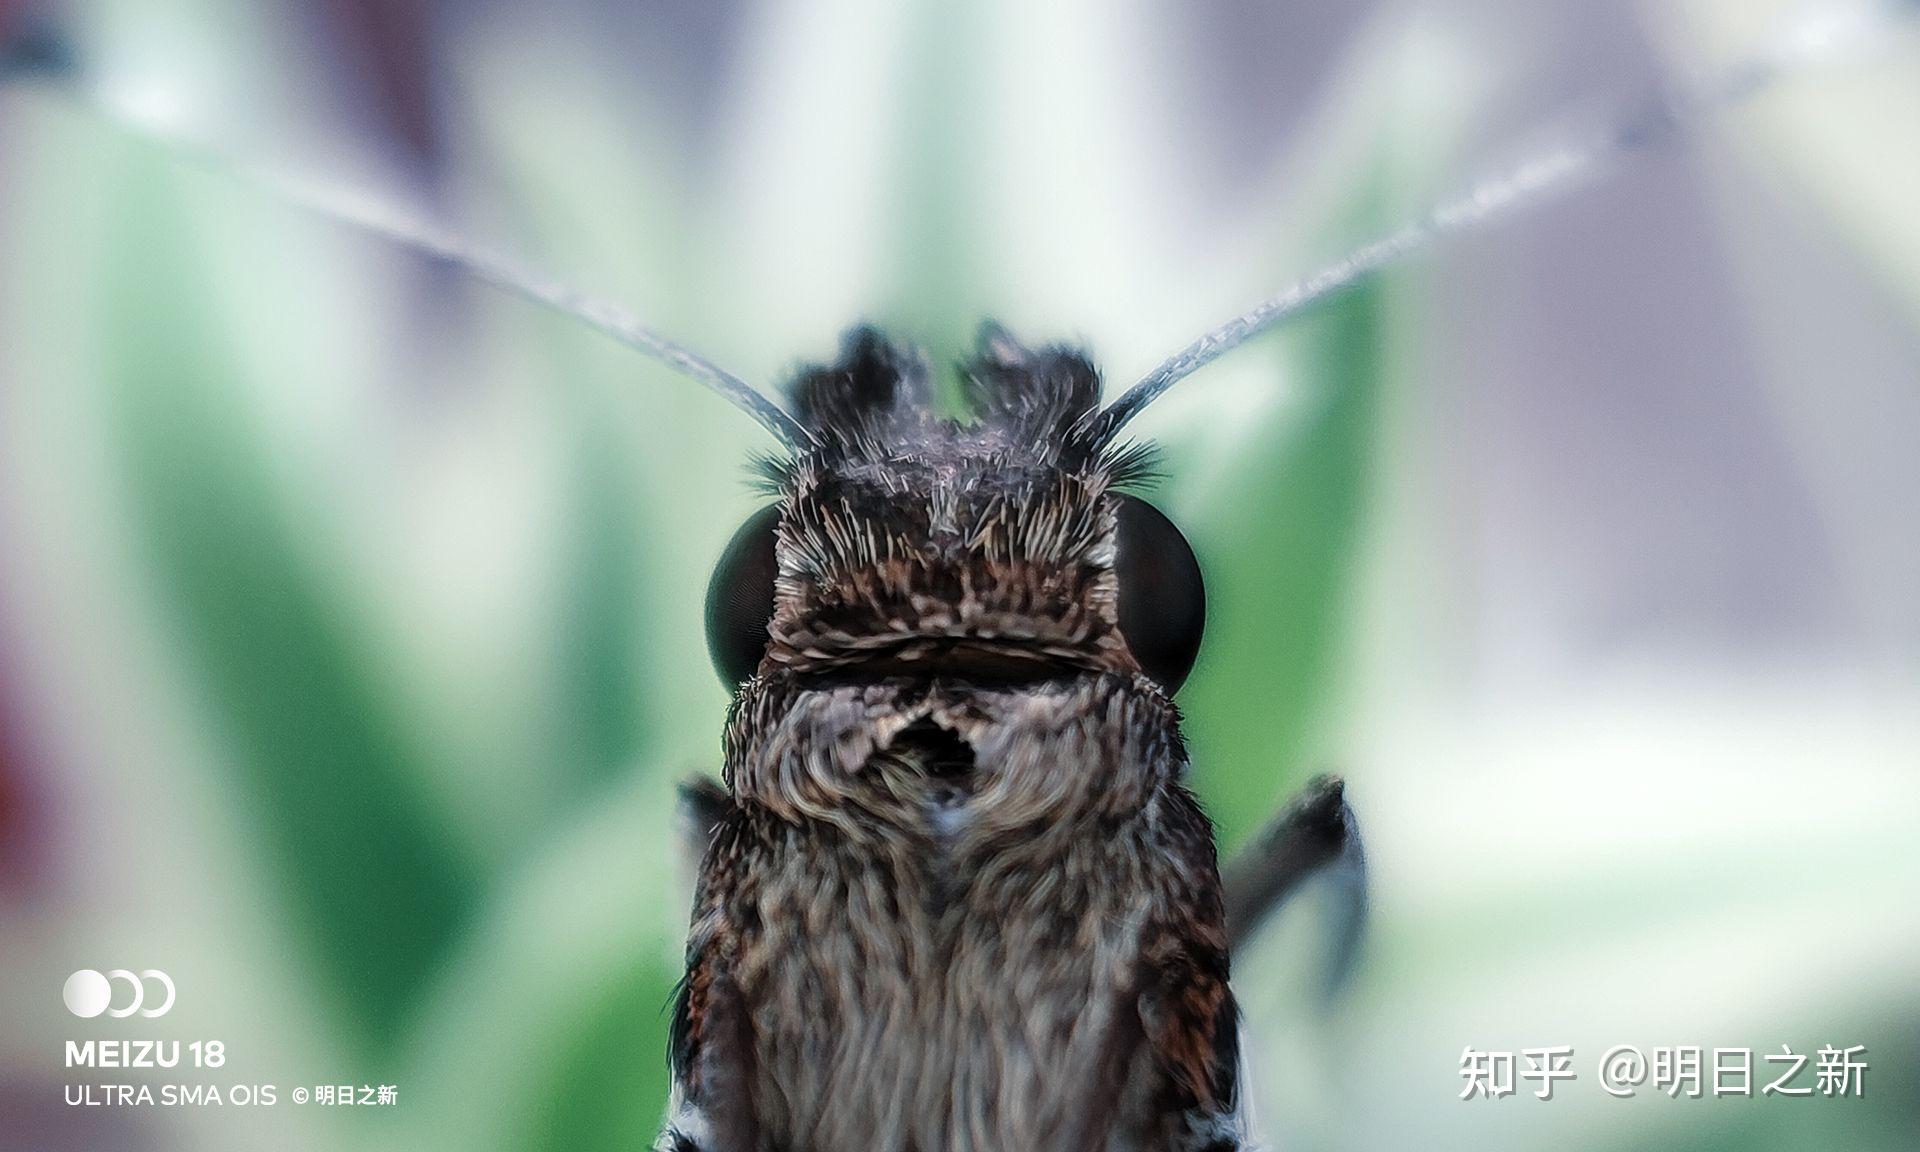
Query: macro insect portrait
[784,576]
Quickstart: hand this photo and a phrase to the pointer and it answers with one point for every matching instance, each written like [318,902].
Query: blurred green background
[350,638]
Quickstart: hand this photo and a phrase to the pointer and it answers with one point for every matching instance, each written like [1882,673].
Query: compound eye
[1163,603]
[740,598]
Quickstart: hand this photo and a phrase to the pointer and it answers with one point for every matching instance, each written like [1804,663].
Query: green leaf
[314,735]
[938,290]
[602,635]
[606,1088]
[1291,530]
[559,999]
[1288,502]
[656,463]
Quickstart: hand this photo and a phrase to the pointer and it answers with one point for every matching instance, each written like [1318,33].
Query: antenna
[1827,34]
[46,60]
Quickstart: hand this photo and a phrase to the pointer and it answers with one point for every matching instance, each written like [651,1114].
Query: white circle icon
[86,993]
[89,993]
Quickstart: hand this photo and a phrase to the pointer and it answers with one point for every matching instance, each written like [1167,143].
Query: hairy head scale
[906,532]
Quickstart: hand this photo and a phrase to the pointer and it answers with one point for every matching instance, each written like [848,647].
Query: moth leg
[1175,1082]
[1192,1027]
[1315,833]
[708,1109]
[709,1046]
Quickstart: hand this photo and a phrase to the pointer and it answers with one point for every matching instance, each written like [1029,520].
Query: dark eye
[740,598]
[1163,604]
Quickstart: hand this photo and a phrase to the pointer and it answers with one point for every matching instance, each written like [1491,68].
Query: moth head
[1001,544]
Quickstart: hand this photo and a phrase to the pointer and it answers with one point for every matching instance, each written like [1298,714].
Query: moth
[954,893]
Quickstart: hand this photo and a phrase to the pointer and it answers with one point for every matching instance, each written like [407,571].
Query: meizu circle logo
[89,993]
